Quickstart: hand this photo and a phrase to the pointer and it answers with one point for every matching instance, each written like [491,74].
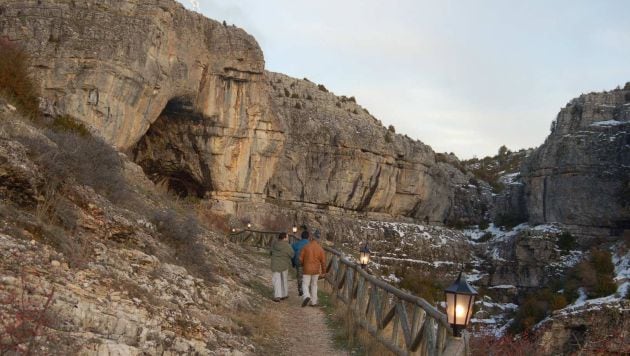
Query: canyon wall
[188,99]
[580,176]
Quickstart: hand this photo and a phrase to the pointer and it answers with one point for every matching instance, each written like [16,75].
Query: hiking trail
[304,330]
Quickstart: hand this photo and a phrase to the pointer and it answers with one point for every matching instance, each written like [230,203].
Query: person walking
[299,271]
[313,261]
[281,256]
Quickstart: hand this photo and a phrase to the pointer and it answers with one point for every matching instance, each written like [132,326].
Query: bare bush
[26,318]
[488,345]
[15,82]
[181,232]
[89,160]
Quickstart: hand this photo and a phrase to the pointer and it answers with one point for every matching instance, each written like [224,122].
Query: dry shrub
[76,250]
[212,220]
[347,333]
[26,318]
[595,275]
[421,284]
[69,124]
[15,82]
[487,345]
[182,233]
[263,327]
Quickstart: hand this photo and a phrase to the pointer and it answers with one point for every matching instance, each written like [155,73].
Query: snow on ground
[622,267]
[510,178]
[431,263]
[502,234]
[608,123]
[493,318]
[622,278]
[392,278]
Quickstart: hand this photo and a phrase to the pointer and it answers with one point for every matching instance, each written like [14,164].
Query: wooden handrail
[378,307]
[391,289]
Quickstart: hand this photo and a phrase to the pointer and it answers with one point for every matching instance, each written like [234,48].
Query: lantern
[364,256]
[249,225]
[460,298]
[294,229]
[233,229]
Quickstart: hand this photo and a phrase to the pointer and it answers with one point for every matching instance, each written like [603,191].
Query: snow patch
[608,123]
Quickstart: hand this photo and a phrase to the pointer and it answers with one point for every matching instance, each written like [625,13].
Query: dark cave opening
[168,152]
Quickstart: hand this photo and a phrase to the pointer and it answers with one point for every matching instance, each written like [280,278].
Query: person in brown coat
[313,261]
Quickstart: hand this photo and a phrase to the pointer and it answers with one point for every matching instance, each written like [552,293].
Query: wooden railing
[404,323]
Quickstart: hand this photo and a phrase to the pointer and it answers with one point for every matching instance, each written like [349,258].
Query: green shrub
[508,220]
[457,224]
[309,97]
[484,224]
[391,128]
[298,105]
[295,96]
[565,242]
[595,275]
[535,307]
[15,82]
[424,286]
[287,93]
[321,87]
[67,123]
[485,237]
[388,137]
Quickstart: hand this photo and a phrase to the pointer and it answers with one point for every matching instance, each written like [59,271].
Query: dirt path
[304,328]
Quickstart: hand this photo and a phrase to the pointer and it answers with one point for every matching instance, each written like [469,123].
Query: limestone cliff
[580,175]
[117,65]
[188,97]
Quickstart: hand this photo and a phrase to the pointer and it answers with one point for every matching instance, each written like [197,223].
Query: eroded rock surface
[580,175]
[190,99]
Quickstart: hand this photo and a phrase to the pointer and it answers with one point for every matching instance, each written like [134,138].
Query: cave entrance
[169,151]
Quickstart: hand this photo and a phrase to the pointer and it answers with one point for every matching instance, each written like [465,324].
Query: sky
[462,76]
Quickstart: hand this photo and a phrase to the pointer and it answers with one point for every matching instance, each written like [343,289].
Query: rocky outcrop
[189,99]
[80,275]
[339,155]
[116,66]
[580,175]
[592,328]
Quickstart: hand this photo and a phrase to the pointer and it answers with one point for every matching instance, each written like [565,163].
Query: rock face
[337,154]
[116,66]
[580,175]
[82,276]
[189,98]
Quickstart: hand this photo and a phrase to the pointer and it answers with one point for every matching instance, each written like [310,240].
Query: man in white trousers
[281,255]
[313,261]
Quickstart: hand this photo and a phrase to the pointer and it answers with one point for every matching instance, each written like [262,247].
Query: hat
[304,235]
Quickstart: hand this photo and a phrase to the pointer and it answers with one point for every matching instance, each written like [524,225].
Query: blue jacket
[297,247]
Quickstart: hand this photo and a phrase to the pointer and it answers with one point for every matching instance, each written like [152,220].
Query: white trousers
[280,284]
[309,286]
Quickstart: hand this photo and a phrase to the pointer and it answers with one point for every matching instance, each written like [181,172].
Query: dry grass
[348,335]
[15,82]
[263,328]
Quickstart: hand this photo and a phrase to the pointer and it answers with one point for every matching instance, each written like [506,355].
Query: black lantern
[364,256]
[460,298]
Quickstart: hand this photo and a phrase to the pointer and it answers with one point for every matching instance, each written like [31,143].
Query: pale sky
[462,76]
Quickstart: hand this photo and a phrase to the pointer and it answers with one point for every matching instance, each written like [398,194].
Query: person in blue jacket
[297,247]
